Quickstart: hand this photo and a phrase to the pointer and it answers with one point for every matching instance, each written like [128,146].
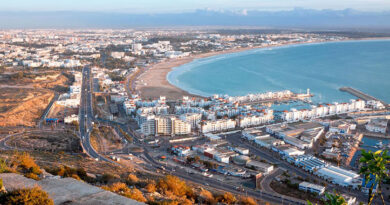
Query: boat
[379,144]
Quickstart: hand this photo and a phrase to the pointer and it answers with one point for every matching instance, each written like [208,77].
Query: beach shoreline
[153,82]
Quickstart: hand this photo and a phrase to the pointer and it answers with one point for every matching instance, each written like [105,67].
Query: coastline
[153,82]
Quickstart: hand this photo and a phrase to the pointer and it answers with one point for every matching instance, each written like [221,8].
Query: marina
[362,95]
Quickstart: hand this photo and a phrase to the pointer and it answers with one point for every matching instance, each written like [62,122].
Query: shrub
[206,196]
[165,202]
[151,187]
[136,195]
[172,184]
[227,198]
[26,163]
[35,170]
[107,178]
[247,201]
[186,202]
[132,179]
[122,189]
[32,176]
[33,196]
[75,176]
[3,166]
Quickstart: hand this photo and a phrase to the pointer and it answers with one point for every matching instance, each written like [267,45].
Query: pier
[361,95]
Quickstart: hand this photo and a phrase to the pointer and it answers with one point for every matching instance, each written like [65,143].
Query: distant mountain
[297,18]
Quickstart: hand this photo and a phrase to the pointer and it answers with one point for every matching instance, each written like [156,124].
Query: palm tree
[333,199]
[374,169]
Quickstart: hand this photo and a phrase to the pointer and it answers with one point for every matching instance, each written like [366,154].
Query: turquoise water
[322,67]
[369,143]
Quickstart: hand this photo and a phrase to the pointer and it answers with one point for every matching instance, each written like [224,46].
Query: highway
[86,116]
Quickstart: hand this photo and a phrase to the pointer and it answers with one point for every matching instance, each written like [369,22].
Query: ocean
[321,67]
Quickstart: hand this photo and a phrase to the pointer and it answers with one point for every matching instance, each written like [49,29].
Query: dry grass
[22,107]
[53,141]
[103,139]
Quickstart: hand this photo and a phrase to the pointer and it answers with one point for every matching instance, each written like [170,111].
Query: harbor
[362,95]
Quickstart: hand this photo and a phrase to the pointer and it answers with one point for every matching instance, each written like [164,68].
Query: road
[274,158]
[266,181]
[85,122]
[47,110]
[86,116]
[154,165]
[221,185]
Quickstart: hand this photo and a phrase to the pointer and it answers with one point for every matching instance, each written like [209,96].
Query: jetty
[362,95]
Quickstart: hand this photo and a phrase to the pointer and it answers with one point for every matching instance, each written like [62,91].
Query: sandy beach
[153,82]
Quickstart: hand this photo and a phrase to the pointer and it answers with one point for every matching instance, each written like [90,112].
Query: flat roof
[268,139]
[312,186]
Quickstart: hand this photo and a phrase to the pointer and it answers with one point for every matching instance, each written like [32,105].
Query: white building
[375,104]
[192,118]
[263,167]
[218,125]
[118,55]
[323,111]
[137,47]
[377,125]
[255,120]
[148,126]
[313,188]
[339,176]
[129,107]
[71,119]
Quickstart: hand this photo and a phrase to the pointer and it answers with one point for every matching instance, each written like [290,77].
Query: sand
[153,82]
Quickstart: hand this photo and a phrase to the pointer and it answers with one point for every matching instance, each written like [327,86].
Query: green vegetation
[374,168]
[332,199]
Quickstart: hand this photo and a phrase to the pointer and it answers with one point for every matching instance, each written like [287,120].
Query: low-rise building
[71,119]
[263,167]
[377,125]
[313,188]
[342,177]
[218,125]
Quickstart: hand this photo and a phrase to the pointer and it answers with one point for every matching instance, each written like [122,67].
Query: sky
[178,6]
